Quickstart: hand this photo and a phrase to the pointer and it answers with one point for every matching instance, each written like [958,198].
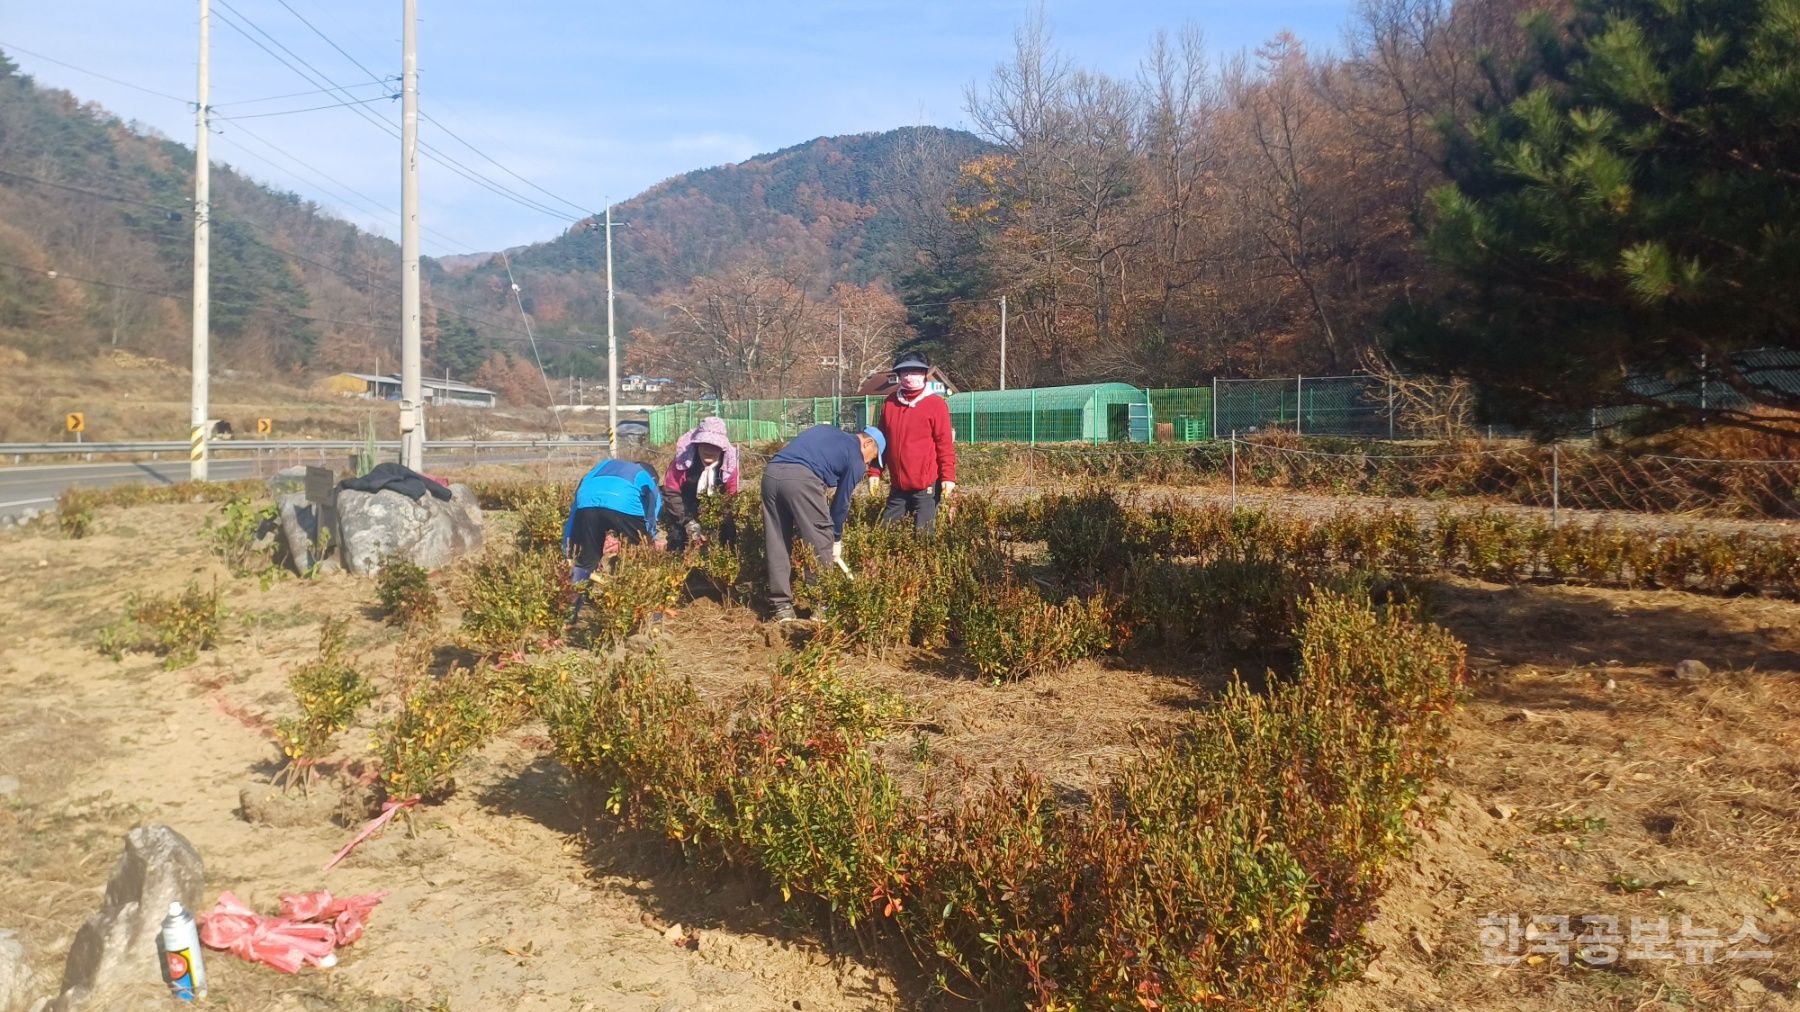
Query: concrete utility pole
[1003,342]
[412,431]
[612,351]
[199,431]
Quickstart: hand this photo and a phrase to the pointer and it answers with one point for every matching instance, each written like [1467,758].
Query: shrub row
[75,507]
[1595,478]
[1090,533]
[1232,866]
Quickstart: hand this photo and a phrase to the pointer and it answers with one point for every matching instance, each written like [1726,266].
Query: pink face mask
[912,382]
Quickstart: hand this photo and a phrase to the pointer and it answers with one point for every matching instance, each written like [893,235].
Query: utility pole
[839,395]
[200,430]
[1003,342]
[612,350]
[412,432]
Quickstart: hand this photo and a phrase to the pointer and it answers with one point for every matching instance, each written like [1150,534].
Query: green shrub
[329,690]
[175,627]
[513,599]
[239,536]
[541,513]
[629,597]
[440,724]
[1233,865]
[1013,633]
[403,591]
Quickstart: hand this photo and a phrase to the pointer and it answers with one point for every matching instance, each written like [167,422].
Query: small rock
[9,786]
[1750,985]
[1502,812]
[673,934]
[1611,685]
[1691,669]
[43,563]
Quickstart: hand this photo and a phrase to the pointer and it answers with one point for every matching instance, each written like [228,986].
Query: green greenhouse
[1088,413]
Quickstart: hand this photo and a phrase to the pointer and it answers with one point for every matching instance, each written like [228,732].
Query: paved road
[36,486]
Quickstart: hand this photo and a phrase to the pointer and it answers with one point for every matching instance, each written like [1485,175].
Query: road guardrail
[19,451]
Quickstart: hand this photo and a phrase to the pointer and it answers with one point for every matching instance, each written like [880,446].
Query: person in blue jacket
[617,497]
[793,500]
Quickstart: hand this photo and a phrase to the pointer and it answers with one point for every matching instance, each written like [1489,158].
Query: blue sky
[587,100]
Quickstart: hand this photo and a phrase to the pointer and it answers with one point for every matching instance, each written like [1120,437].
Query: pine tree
[1626,210]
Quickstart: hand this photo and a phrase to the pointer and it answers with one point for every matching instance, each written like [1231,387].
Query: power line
[430,151]
[94,73]
[585,212]
[313,108]
[327,38]
[293,94]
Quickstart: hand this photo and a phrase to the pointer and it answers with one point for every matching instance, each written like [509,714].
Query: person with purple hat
[794,501]
[705,462]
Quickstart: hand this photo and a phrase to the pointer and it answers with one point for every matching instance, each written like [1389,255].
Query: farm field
[1579,777]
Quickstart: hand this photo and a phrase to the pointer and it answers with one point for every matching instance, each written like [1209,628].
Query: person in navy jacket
[793,498]
[617,497]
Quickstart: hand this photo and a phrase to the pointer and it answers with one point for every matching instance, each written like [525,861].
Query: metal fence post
[971,417]
[1298,397]
[1234,505]
[1033,416]
[1555,484]
[1213,433]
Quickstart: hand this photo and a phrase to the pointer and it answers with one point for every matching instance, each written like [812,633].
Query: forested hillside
[96,251]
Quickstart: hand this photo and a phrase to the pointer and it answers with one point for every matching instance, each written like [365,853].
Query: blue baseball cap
[880,443]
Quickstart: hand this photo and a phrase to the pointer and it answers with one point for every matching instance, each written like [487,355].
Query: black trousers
[922,506]
[594,524]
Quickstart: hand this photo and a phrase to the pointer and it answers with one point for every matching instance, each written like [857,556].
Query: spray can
[183,966]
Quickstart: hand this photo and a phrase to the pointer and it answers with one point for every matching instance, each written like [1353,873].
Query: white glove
[692,530]
[837,552]
[948,487]
[874,486]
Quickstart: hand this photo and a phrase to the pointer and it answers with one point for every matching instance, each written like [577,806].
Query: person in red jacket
[921,451]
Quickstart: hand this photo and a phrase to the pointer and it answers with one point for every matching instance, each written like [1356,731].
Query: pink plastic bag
[309,927]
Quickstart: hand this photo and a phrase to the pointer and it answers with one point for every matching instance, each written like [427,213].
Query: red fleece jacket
[920,450]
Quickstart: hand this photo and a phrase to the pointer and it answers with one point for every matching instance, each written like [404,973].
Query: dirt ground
[1585,780]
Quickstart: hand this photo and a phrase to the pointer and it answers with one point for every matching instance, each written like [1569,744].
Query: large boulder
[118,944]
[428,532]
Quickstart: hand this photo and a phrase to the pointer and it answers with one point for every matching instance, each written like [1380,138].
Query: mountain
[829,210]
[96,250]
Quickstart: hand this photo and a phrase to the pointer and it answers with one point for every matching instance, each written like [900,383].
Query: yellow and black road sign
[264,426]
[75,421]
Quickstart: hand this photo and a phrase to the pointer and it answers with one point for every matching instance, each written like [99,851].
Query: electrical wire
[94,73]
[520,302]
[430,151]
[294,94]
[313,108]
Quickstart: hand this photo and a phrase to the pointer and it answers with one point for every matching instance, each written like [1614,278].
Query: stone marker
[118,944]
